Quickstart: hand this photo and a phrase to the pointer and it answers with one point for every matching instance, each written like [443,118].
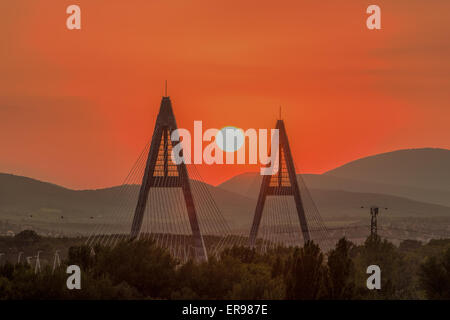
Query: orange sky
[76,107]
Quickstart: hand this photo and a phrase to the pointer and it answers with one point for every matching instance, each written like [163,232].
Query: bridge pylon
[282,183]
[162,172]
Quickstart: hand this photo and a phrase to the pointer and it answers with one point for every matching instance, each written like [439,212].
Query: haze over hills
[425,185]
[248,184]
[30,202]
[418,168]
[25,201]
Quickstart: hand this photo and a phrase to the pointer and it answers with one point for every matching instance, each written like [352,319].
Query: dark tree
[434,276]
[29,236]
[306,274]
[340,274]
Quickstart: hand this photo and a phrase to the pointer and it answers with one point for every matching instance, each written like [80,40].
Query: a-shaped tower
[162,172]
[282,183]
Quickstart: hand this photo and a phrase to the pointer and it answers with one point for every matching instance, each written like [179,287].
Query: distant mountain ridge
[412,184]
[33,203]
[337,194]
[427,168]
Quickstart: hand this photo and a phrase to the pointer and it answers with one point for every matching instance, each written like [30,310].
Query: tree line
[142,270]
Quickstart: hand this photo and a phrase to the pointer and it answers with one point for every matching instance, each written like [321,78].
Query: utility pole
[19,256]
[56,261]
[37,266]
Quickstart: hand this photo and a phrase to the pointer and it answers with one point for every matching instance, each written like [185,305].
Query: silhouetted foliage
[434,276]
[27,236]
[141,270]
[306,273]
[339,282]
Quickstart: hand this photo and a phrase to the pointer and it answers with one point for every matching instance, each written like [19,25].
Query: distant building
[10,233]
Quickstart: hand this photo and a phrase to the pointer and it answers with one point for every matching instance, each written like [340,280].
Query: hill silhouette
[420,184]
[419,168]
[337,194]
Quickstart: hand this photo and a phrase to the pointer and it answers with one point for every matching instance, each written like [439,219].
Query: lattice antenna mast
[373,222]
[162,172]
[374,211]
[282,183]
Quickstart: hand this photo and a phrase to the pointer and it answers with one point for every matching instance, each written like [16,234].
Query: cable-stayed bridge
[174,208]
